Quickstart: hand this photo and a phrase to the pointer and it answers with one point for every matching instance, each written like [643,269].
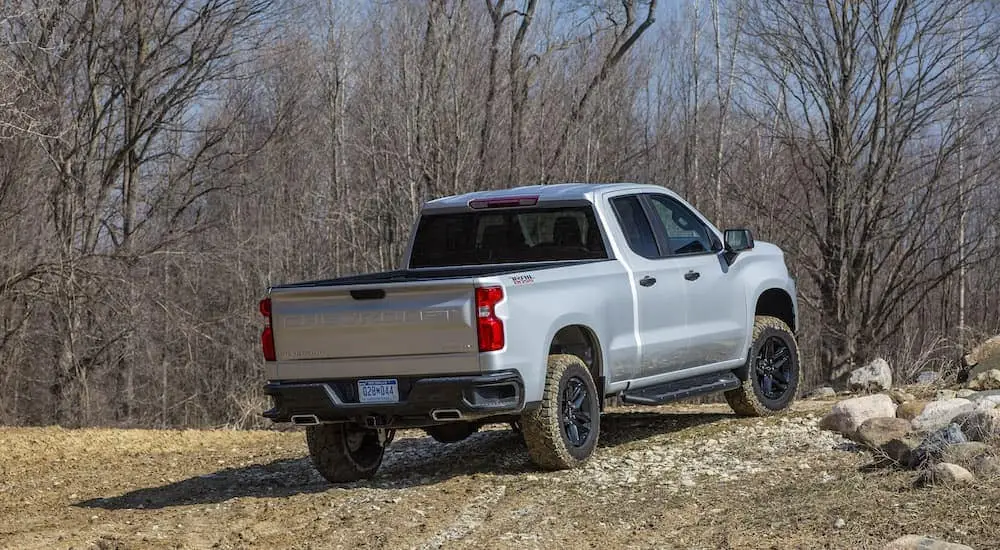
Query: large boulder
[942,395]
[986,380]
[984,357]
[901,450]
[847,415]
[986,400]
[933,447]
[911,409]
[986,405]
[928,377]
[980,425]
[938,414]
[900,396]
[873,377]
[875,433]
[945,473]
[986,466]
[920,542]
[824,392]
[967,455]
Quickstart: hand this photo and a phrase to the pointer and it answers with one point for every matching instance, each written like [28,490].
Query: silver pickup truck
[531,306]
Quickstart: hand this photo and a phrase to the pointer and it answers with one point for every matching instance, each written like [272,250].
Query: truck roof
[545,193]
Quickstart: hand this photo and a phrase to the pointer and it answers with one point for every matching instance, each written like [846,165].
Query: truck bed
[414,275]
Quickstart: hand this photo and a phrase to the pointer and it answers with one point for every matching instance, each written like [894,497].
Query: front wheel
[562,432]
[772,370]
[345,452]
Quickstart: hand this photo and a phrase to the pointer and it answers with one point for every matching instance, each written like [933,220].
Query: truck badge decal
[523,279]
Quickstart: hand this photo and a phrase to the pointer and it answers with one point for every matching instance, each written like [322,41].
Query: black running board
[681,389]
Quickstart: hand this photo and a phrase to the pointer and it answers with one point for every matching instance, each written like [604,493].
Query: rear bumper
[466,397]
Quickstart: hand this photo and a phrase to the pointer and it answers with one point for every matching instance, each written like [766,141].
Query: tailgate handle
[368,294]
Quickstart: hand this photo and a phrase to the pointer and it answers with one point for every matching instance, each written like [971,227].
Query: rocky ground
[678,476]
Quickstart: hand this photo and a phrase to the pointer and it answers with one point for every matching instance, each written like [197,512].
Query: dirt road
[667,477]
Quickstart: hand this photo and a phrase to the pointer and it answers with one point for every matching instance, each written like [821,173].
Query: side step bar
[681,389]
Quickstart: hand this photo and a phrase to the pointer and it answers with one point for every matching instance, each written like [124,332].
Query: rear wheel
[562,433]
[346,452]
[772,370]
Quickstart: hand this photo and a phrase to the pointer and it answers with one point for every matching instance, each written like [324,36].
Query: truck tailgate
[374,330]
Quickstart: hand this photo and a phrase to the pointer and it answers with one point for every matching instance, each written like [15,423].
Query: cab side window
[638,232]
[685,233]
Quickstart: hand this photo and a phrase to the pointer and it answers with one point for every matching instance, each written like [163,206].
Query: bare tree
[519,72]
[131,74]
[724,81]
[498,14]
[694,143]
[860,89]
[162,163]
[626,29]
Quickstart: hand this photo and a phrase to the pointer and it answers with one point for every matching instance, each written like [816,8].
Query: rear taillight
[267,337]
[489,326]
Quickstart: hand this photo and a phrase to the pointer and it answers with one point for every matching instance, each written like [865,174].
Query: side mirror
[737,240]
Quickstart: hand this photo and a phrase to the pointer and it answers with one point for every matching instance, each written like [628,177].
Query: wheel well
[580,341]
[777,303]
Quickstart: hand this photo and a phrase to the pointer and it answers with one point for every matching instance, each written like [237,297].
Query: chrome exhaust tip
[305,419]
[443,415]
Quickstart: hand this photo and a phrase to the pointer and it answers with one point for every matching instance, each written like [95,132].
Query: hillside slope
[667,477]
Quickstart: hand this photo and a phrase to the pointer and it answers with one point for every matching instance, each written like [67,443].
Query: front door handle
[692,275]
[647,281]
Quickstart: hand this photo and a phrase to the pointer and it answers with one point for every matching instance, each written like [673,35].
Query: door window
[686,234]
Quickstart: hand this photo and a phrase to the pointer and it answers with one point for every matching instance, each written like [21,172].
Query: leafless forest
[162,162]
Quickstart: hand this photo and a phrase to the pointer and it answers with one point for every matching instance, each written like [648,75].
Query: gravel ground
[679,476]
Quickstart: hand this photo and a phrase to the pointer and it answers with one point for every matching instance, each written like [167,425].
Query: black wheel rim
[773,368]
[576,412]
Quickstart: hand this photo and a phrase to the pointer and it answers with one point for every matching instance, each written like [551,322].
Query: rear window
[507,236]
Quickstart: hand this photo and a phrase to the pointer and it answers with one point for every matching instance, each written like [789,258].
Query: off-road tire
[749,398]
[343,452]
[548,444]
[452,432]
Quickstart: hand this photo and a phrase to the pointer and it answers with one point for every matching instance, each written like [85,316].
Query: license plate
[378,391]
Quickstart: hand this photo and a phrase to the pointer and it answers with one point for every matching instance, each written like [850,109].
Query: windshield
[507,236]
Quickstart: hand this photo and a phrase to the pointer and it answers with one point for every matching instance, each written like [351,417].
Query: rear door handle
[647,281]
[692,275]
